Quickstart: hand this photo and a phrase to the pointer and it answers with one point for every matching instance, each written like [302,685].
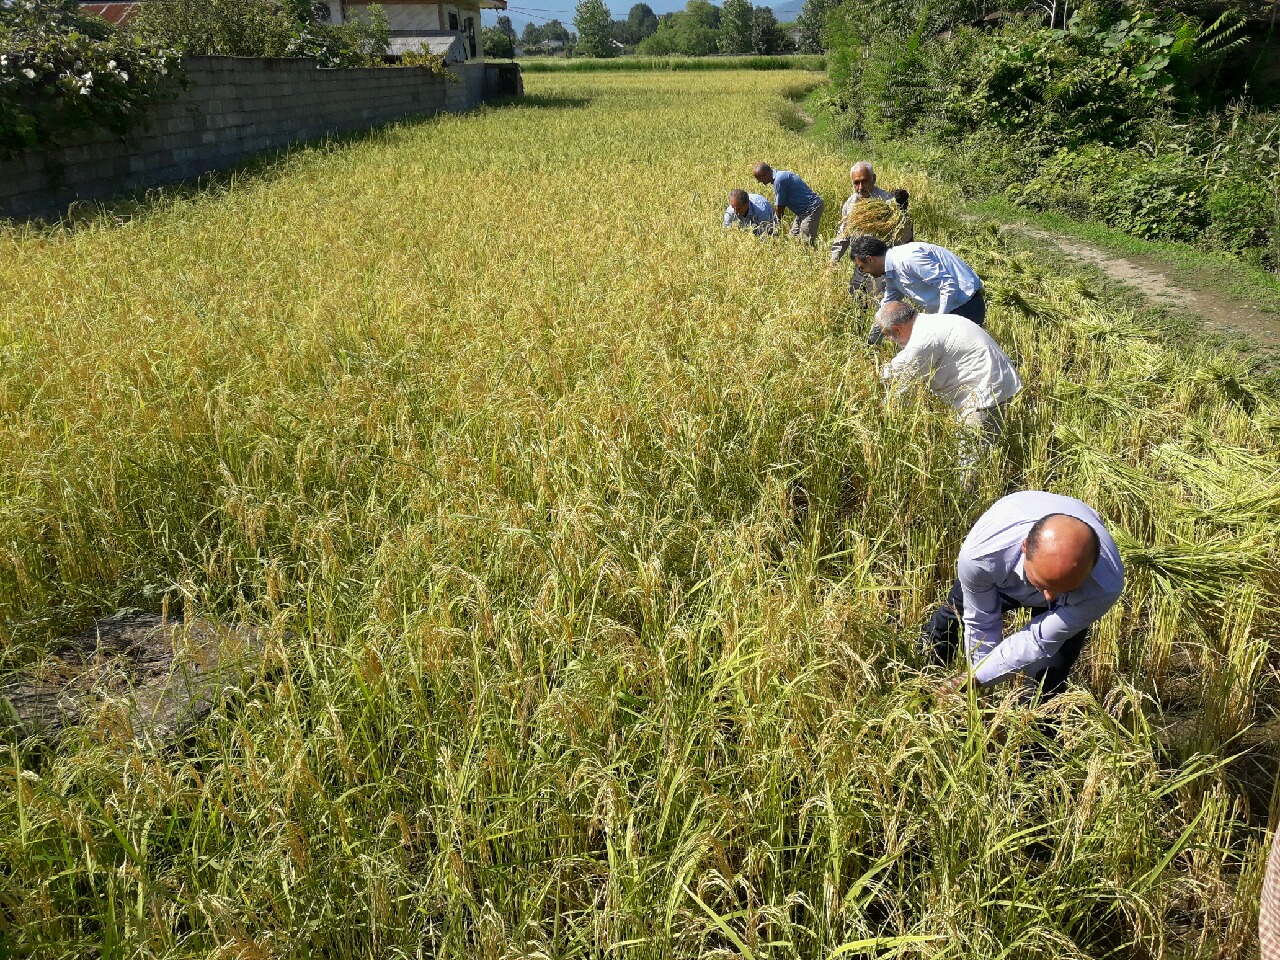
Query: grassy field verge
[593,65]
[1200,270]
[593,561]
[1196,269]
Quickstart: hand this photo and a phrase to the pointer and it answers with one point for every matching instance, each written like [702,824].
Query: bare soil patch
[1159,284]
[156,674]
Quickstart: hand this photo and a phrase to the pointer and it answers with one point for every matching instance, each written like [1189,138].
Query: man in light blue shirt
[750,210]
[932,276]
[1031,550]
[792,193]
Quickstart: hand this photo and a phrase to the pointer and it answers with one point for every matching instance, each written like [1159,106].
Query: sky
[540,11]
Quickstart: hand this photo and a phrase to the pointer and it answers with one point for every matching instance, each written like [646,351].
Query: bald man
[1031,550]
[792,193]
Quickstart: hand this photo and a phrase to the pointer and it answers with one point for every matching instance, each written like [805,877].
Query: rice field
[631,62]
[592,562]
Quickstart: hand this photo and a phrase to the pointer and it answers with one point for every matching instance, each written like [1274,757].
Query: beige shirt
[958,360]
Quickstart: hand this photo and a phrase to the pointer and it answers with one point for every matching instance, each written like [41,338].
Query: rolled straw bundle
[880,218]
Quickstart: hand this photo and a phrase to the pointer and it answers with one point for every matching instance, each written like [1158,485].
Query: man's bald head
[762,172]
[1059,554]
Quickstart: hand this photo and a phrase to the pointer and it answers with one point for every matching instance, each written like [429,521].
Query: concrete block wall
[234,108]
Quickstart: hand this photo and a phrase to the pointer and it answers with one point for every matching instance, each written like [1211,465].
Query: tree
[642,21]
[765,35]
[497,43]
[735,26]
[812,23]
[694,32]
[531,35]
[704,13]
[594,24]
[621,31]
[504,24]
[555,30]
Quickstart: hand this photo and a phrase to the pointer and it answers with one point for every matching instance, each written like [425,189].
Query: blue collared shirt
[791,192]
[932,276]
[760,216]
[991,565]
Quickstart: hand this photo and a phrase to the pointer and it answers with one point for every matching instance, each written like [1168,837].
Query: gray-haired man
[958,360]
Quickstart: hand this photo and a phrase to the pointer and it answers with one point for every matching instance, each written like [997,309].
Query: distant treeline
[701,29]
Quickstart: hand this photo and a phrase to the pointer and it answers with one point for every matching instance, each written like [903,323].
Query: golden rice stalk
[880,218]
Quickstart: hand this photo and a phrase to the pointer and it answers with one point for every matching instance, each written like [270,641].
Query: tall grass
[811,62]
[500,438]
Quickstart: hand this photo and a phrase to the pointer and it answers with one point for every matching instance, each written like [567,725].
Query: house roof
[113,12]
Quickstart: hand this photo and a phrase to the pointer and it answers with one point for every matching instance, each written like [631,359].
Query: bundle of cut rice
[880,218]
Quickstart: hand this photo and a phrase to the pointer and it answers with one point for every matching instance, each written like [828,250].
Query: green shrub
[63,72]
[432,62]
[1242,214]
[263,28]
[1156,198]
[1067,87]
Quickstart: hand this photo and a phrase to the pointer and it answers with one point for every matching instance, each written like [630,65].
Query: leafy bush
[497,43]
[1156,198]
[1067,87]
[263,28]
[61,72]
[1100,119]
[1242,215]
[433,63]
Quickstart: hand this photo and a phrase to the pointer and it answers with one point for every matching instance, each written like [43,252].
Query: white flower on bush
[111,64]
[29,73]
[4,61]
[124,75]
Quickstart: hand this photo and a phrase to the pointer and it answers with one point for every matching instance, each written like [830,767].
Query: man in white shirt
[1031,550]
[958,360]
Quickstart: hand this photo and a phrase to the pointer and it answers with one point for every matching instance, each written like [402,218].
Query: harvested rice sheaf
[880,218]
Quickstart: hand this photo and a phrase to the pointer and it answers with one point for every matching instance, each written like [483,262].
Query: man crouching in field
[750,210]
[958,359]
[792,193]
[1031,550]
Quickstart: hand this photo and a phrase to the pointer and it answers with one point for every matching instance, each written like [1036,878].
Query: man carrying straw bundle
[874,218]
[792,193]
[1031,550]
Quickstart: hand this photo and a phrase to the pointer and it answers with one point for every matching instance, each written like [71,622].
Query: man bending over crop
[792,193]
[959,361]
[1031,550]
[932,276]
[750,210]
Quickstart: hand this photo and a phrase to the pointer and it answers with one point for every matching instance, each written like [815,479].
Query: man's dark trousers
[943,633]
[975,309]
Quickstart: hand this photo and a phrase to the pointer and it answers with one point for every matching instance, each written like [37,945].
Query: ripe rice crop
[593,560]
[631,62]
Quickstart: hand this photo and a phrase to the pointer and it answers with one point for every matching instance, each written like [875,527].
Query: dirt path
[1159,284]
